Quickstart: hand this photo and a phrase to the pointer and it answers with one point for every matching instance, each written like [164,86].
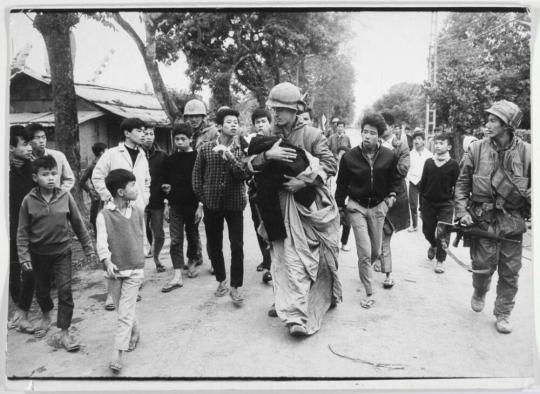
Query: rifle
[444,230]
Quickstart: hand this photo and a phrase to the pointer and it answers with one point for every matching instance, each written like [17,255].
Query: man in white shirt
[38,141]
[419,155]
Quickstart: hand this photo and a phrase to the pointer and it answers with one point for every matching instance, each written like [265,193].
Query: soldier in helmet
[493,193]
[299,268]
[195,115]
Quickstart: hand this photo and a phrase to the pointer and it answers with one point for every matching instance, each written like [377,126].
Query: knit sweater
[437,183]
[121,238]
[177,172]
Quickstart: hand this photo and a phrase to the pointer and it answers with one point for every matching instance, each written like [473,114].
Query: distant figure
[306,115]
[195,115]
[419,155]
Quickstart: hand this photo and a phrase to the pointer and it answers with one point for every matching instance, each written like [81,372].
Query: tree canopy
[406,102]
[482,58]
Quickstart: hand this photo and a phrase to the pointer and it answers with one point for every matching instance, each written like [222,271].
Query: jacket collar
[57,193]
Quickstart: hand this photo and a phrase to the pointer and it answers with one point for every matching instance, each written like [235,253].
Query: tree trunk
[221,91]
[55,28]
[148,52]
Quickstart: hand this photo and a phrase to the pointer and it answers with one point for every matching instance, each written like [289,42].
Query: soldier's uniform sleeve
[320,149]
[463,187]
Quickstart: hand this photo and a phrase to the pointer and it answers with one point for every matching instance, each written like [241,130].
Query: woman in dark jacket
[368,176]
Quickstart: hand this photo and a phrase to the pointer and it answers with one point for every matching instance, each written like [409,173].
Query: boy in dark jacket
[184,210]
[44,246]
[21,284]
[436,189]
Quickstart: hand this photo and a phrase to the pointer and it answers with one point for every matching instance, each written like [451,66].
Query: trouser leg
[94,209]
[156,224]
[445,213]
[386,252]
[192,237]
[235,224]
[148,225]
[358,220]
[262,243]
[345,234]
[429,222]
[42,269]
[176,232]
[507,285]
[62,276]
[14,281]
[213,224]
[413,203]
[483,256]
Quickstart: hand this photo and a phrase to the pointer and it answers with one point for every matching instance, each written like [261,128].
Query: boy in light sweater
[120,247]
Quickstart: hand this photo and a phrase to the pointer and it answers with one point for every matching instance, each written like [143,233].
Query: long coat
[398,217]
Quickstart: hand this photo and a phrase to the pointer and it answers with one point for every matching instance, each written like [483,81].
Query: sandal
[133,343]
[110,307]
[70,344]
[221,290]
[388,283]
[192,273]
[26,327]
[367,303]
[171,286]
[115,366]
[41,331]
[160,268]
[260,267]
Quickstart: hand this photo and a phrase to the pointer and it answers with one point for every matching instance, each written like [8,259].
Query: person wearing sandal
[219,177]
[44,246]
[184,210]
[368,176]
[398,218]
[120,247]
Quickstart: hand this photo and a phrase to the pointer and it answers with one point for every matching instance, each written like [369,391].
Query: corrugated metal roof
[47,118]
[124,103]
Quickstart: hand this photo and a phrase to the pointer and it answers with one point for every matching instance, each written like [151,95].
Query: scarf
[441,160]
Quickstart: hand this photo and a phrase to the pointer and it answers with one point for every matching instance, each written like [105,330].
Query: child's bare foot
[25,326]
[68,342]
[43,326]
[14,321]
[134,341]
[116,361]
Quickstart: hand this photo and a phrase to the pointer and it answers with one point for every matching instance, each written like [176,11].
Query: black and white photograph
[269,194]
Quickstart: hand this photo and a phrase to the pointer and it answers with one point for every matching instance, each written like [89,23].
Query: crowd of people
[303,185]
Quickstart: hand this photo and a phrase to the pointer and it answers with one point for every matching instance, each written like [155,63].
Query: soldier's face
[283,116]
[494,127]
[194,121]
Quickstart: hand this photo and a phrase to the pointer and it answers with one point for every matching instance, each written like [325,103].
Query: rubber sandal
[110,307]
[160,268]
[70,344]
[26,328]
[260,267]
[221,290]
[14,322]
[192,273]
[41,331]
[298,331]
[171,286]
[115,366]
[267,277]
[366,304]
[388,283]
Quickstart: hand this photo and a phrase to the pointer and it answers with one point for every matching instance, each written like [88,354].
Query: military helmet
[507,111]
[195,107]
[284,95]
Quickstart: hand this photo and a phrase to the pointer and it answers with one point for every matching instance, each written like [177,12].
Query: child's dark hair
[223,113]
[16,133]
[131,123]
[260,113]
[448,137]
[98,148]
[182,128]
[376,121]
[118,179]
[33,128]
[46,162]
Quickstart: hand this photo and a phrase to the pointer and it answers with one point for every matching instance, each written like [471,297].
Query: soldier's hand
[466,220]
[27,267]
[279,153]
[293,184]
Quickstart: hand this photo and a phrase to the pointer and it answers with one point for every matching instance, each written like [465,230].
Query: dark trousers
[46,267]
[213,223]
[431,214]
[263,246]
[181,220]
[345,234]
[95,206]
[21,286]
[413,203]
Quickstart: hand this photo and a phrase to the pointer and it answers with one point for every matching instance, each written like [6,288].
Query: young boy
[418,155]
[44,246]
[21,284]
[120,247]
[218,181]
[436,188]
[95,205]
[184,210]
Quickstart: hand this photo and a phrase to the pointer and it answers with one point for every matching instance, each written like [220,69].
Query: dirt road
[423,327]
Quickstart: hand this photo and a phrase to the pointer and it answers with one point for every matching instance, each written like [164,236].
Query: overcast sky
[387,48]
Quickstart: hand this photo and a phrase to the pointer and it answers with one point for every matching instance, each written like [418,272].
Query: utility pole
[431,115]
